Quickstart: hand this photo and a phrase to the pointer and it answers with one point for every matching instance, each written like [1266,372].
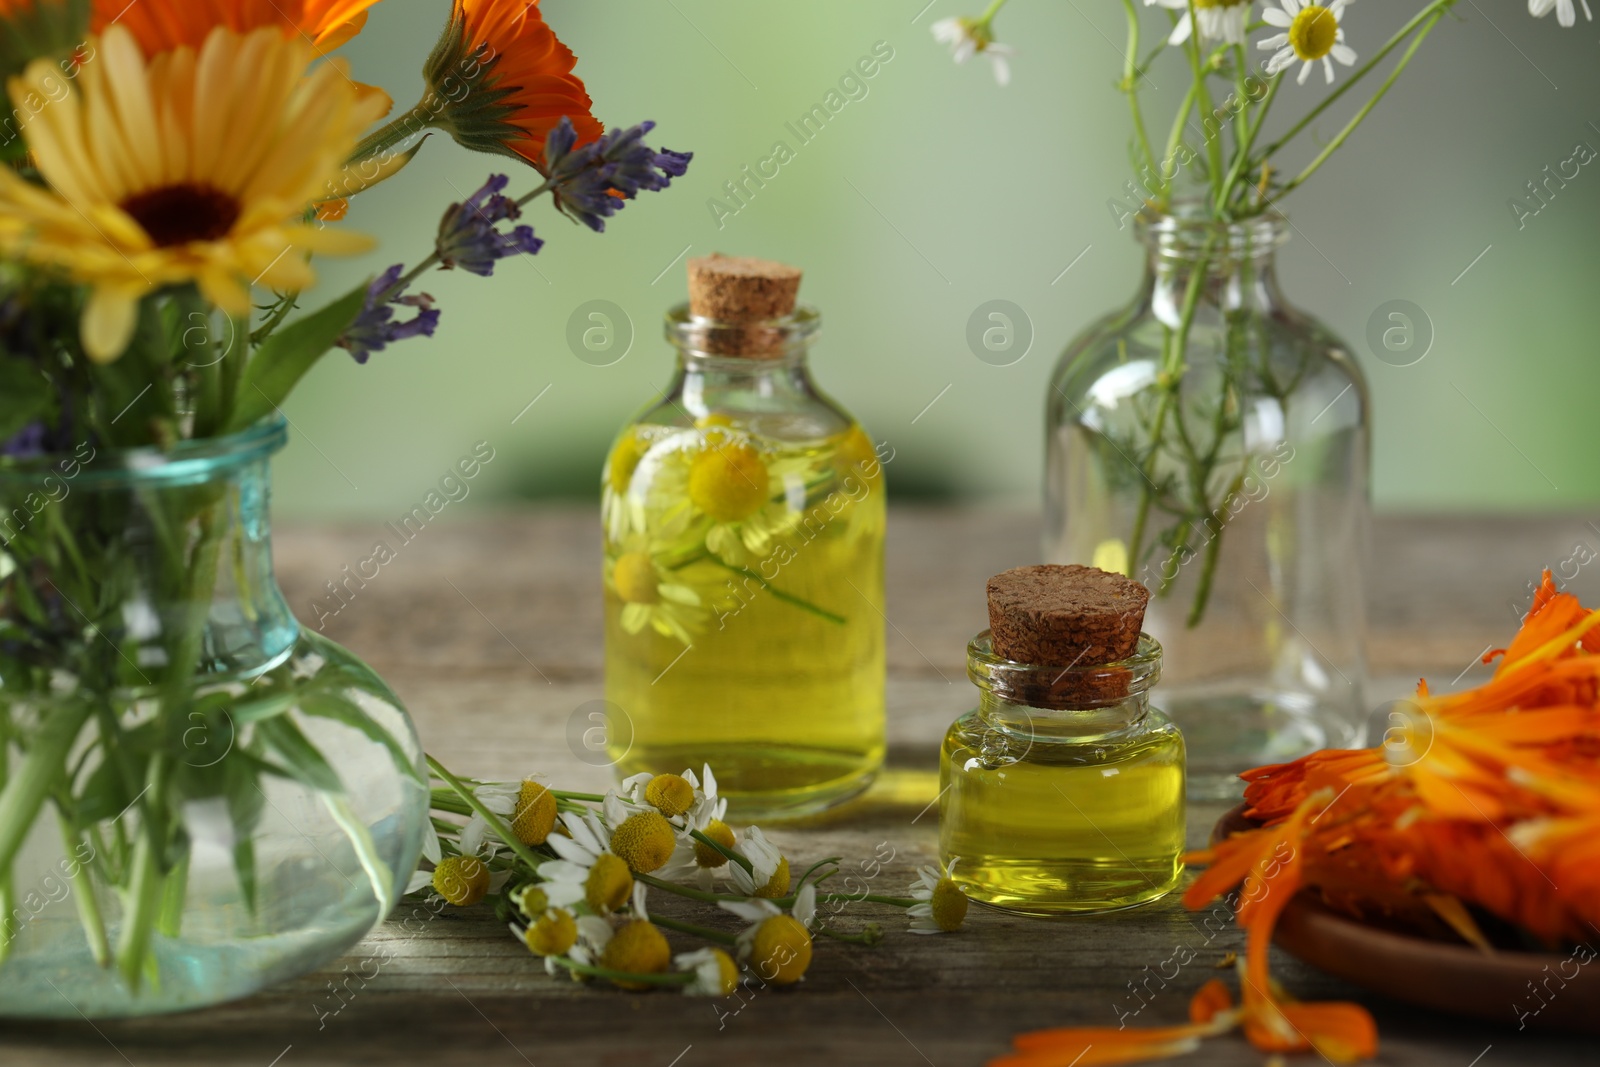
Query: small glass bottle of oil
[1063,791]
[743,519]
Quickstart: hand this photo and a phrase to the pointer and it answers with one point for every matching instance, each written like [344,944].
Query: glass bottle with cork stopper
[1063,791]
[744,526]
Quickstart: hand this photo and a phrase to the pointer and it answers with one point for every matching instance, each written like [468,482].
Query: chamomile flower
[776,944]
[594,934]
[433,852]
[550,931]
[967,37]
[715,973]
[587,869]
[769,876]
[1311,32]
[731,484]
[1565,13]
[944,905]
[1221,21]
[624,459]
[682,798]
[650,595]
[527,806]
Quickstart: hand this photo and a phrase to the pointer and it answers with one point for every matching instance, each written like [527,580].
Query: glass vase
[1211,441]
[199,798]
[744,531]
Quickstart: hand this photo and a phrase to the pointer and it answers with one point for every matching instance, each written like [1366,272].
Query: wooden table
[491,632]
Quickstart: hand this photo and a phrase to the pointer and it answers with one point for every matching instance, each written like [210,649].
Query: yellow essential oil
[744,526]
[1063,794]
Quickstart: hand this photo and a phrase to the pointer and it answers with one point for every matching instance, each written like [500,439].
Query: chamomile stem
[872,935]
[1130,82]
[804,605]
[678,978]
[720,847]
[1360,116]
[702,895]
[496,823]
[709,934]
[591,798]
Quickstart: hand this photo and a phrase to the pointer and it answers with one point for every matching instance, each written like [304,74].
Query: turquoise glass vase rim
[200,459]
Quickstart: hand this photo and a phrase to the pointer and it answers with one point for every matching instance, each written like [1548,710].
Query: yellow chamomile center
[461,880]
[949,905]
[727,972]
[722,834]
[554,933]
[729,482]
[532,900]
[1313,32]
[644,841]
[638,948]
[635,578]
[669,794]
[625,459]
[609,884]
[778,884]
[535,816]
[781,950]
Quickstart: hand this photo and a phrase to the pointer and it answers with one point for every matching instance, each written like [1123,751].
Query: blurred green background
[939,191]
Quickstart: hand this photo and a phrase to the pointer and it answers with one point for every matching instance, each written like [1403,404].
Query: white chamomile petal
[419,881]
[432,851]
[805,905]
[751,910]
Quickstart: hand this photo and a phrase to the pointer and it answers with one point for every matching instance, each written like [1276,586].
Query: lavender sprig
[469,236]
[376,327]
[594,182]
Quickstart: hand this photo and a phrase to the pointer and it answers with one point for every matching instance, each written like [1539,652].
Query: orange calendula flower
[1486,800]
[500,81]
[162,25]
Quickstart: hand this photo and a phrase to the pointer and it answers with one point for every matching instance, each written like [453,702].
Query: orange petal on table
[1209,1001]
[1341,1031]
[1087,1046]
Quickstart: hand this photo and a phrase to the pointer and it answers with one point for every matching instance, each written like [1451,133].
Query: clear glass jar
[199,798]
[1211,441]
[744,527]
[1063,790]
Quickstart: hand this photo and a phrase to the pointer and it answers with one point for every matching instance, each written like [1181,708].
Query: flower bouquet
[198,798]
[1210,438]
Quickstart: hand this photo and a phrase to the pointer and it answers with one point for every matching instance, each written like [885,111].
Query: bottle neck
[1226,267]
[1075,703]
[704,383]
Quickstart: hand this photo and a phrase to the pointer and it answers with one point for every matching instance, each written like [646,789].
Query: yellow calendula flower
[186,167]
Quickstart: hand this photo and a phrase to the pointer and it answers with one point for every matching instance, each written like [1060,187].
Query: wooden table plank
[494,666]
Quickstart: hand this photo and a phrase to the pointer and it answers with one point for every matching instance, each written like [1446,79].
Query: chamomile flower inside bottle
[1063,791]
[743,518]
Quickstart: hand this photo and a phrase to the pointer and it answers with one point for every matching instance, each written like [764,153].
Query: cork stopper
[747,293]
[1065,616]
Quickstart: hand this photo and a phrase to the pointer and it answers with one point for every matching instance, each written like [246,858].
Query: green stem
[780,594]
[870,936]
[387,137]
[1361,115]
[1241,159]
[285,306]
[698,931]
[1169,382]
[1202,98]
[591,798]
[496,823]
[1174,138]
[1130,82]
[143,896]
[174,889]
[701,895]
[677,978]
[720,847]
[37,777]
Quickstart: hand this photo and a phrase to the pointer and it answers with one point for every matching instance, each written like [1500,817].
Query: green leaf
[285,357]
[337,708]
[304,761]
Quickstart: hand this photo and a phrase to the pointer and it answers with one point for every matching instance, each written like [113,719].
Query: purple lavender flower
[587,180]
[375,328]
[468,237]
[27,442]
